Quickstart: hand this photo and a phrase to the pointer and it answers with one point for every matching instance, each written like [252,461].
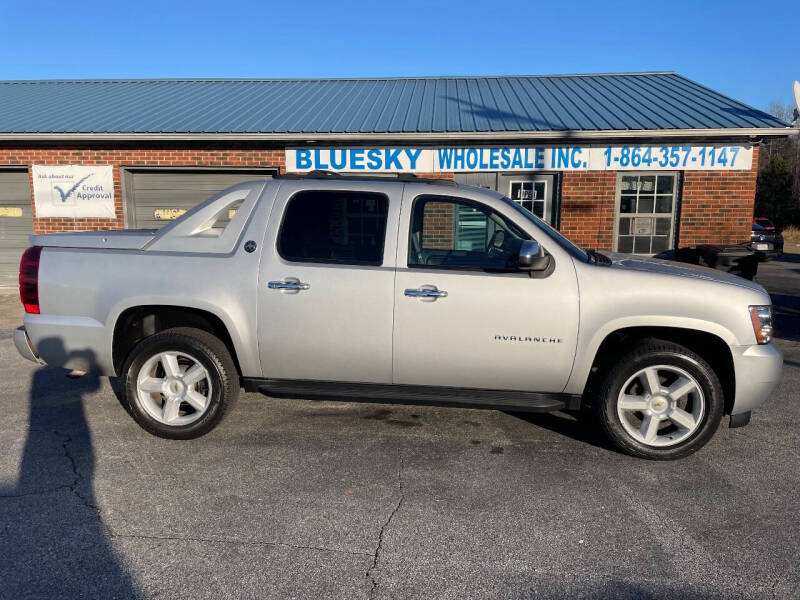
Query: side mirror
[531,257]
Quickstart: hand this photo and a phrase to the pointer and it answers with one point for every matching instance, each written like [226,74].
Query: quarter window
[645,213]
[334,227]
[450,233]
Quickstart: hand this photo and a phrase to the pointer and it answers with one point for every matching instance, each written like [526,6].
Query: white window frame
[545,216]
[673,215]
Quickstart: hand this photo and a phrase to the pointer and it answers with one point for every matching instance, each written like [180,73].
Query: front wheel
[661,401]
[179,383]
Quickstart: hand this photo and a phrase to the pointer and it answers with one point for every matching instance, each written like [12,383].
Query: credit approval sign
[73,191]
[712,157]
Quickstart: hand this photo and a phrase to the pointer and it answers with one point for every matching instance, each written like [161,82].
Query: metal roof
[410,107]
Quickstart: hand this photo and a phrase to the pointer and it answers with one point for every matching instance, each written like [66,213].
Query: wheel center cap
[659,404]
[175,387]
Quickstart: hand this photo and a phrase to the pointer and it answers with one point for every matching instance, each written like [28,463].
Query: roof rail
[407,177]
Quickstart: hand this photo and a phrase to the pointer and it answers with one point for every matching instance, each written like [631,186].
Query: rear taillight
[29,279]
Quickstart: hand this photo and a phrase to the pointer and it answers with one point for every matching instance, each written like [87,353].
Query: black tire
[652,352]
[210,352]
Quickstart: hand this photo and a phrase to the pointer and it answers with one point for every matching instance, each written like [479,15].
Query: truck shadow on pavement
[574,425]
[54,543]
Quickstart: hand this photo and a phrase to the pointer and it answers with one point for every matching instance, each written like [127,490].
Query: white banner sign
[714,157]
[74,191]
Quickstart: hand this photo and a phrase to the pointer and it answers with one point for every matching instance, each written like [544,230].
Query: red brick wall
[717,206]
[587,208]
[437,225]
[143,156]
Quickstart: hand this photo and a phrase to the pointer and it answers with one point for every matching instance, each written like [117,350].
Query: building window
[461,234]
[645,213]
[334,227]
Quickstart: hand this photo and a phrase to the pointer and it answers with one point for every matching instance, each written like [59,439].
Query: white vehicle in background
[397,290]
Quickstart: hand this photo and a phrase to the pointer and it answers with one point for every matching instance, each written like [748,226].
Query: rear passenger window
[334,227]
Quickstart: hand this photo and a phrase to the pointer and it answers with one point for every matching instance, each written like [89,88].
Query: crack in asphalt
[78,478]
[379,546]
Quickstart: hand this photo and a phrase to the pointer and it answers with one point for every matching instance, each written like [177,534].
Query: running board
[415,394]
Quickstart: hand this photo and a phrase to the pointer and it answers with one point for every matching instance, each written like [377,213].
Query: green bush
[774,198]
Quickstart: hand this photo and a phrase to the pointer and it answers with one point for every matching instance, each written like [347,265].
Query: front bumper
[24,346]
[758,369]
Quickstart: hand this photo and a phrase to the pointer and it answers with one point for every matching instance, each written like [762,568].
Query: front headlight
[762,323]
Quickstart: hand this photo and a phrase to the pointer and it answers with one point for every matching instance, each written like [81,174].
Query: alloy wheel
[661,405]
[174,388]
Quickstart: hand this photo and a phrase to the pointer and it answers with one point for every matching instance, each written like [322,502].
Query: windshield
[553,233]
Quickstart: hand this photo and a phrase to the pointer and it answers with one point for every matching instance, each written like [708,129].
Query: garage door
[154,198]
[16,223]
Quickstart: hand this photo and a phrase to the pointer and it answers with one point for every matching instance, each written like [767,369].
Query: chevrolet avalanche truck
[399,290]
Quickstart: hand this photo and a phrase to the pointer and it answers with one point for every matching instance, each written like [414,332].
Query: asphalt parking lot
[303,499]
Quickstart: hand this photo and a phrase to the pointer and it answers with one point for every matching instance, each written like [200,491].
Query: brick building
[630,162]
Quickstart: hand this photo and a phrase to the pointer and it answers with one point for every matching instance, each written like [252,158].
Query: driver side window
[453,233]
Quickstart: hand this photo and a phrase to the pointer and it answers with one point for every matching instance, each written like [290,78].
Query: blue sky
[750,51]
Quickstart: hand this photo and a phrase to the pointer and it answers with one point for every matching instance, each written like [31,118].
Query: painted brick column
[587,208]
[717,206]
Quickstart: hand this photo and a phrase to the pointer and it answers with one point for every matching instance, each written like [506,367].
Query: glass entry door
[532,190]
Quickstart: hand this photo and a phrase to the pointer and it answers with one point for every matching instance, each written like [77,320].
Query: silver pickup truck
[397,290]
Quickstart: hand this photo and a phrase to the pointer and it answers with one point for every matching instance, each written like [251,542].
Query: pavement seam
[675,541]
[772,441]
[178,538]
[38,492]
[379,546]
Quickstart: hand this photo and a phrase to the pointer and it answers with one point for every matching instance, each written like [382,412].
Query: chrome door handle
[288,285]
[426,293]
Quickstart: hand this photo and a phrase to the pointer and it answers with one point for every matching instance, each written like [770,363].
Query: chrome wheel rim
[661,405]
[174,388]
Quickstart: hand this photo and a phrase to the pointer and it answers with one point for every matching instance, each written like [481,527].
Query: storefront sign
[514,158]
[73,191]
[10,211]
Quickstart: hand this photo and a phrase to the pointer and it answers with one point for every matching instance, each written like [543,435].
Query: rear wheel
[180,383]
[660,401]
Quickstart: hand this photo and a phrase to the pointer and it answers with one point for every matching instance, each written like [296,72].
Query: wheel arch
[136,323]
[710,346]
